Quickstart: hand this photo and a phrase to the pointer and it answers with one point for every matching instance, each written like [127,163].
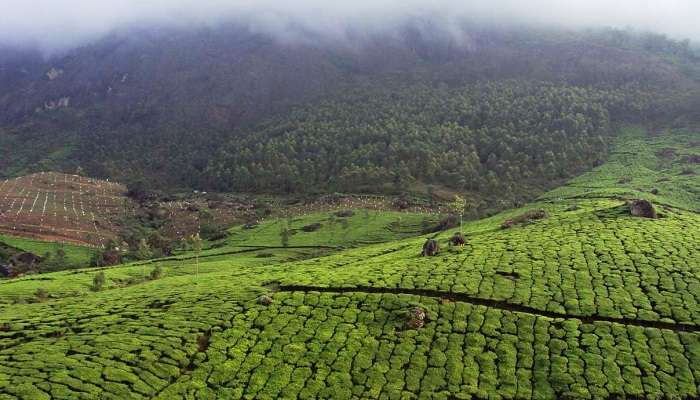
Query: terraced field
[63,208]
[588,302]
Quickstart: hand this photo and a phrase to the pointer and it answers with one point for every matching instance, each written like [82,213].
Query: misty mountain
[158,105]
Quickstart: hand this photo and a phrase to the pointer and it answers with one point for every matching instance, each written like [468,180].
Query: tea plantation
[588,302]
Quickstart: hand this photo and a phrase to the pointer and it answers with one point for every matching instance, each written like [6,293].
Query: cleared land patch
[62,208]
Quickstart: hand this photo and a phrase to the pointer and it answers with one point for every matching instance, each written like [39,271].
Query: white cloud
[60,24]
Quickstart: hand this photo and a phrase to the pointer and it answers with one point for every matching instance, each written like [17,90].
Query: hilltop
[587,301]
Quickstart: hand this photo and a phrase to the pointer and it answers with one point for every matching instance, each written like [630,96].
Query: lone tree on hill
[457,208]
[98,281]
[196,245]
[143,252]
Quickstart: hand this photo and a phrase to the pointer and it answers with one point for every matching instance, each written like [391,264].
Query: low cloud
[56,25]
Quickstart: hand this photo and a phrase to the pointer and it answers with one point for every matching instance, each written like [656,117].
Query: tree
[196,246]
[160,245]
[143,250]
[157,272]
[284,236]
[110,254]
[184,244]
[366,215]
[98,281]
[457,208]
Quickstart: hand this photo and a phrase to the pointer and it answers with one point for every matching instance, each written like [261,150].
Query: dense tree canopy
[494,137]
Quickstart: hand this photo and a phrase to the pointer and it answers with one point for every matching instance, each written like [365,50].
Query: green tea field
[584,302]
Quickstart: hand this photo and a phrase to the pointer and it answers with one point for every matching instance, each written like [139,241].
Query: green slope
[640,164]
[586,303]
[76,256]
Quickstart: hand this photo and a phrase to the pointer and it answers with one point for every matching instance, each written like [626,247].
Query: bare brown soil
[62,208]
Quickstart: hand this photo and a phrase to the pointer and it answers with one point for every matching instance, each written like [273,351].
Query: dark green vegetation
[587,302]
[54,256]
[494,116]
[505,140]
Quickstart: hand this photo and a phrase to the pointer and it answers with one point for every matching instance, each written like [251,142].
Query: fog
[57,25]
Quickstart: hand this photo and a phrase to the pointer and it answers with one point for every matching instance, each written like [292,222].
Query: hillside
[140,108]
[499,142]
[587,302]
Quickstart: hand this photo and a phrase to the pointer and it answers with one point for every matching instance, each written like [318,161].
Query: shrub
[41,294]
[312,227]
[666,153]
[98,281]
[213,232]
[265,300]
[451,221]
[157,272]
[457,239]
[625,179]
[642,208]
[415,318]
[692,159]
[431,248]
[400,204]
[284,236]
[530,216]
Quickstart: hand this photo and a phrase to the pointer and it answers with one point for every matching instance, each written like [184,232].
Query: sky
[57,25]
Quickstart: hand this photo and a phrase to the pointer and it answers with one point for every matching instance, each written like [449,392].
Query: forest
[496,138]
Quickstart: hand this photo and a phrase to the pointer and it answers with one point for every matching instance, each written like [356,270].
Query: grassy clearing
[76,256]
[331,229]
[208,336]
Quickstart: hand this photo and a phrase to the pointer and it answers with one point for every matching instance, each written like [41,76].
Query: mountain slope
[588,302]
[503,139]
[141,100]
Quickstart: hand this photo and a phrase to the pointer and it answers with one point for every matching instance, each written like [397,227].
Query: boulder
[415,318]
[311,227]
[431,248]
[642,208]
[457,239]
[265,300]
